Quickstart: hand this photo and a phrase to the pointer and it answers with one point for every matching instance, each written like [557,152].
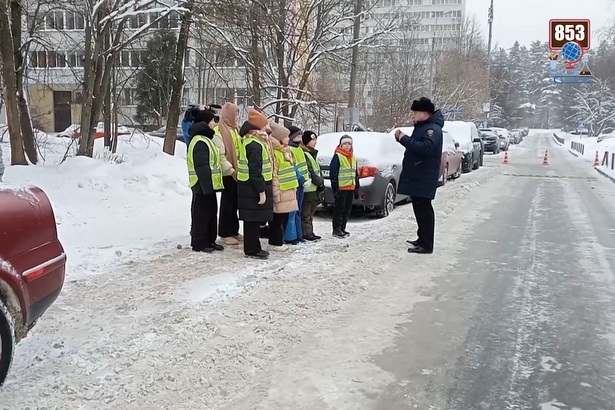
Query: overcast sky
[528,20]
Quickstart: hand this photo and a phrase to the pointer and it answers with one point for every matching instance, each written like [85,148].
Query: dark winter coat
[421,165]
[200,157]
[334,175]
[248,191]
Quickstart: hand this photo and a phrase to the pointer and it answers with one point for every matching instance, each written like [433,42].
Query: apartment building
[55,68]
[426,26]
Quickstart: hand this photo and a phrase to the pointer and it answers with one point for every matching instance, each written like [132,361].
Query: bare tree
[11,94]
[461,79]
[177,81]
[283,46]
[106,36]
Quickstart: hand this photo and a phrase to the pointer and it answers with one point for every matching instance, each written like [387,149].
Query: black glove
[356,194]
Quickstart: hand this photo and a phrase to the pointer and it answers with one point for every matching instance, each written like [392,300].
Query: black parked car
[470,143]
[490,139]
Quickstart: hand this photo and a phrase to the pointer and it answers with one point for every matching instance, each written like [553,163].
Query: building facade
[212,74]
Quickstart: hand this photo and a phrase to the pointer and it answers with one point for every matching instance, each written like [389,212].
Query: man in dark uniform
[421,169]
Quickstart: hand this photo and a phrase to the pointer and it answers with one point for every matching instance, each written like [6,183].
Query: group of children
[269,178]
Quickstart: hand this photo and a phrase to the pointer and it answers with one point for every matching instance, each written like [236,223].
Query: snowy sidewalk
[585,148]
[191,328]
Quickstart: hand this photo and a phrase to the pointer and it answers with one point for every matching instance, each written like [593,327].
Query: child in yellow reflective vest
[344,178]
[205,179]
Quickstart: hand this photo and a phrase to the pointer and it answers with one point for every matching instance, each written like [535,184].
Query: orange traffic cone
[505,157]
[545,160]
[597,160]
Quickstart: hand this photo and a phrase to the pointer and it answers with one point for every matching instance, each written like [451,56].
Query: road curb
[604,174]
[573,153]
[557,140]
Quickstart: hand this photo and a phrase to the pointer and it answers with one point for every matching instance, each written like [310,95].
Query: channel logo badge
[569,39]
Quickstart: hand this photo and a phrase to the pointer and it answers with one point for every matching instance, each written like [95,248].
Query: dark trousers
[426,221]
[204,211]
[276,229]
[310,203]
[251,240]
[229,221]
[341,212]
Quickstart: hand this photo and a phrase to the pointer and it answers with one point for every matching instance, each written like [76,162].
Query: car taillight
[365,171]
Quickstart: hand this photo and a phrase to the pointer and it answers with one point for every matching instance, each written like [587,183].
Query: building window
[54,20]
[129,97]
[226,59]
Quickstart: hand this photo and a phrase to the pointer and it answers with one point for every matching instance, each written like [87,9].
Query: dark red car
[32,264]
[451,163]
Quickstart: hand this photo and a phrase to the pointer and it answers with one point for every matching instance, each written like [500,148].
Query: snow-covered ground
[111,209]
[186,330]
[162,322]
[591,147]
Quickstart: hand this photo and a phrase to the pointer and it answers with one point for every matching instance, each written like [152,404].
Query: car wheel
[476,164]
[7,342]
[388,202]
[468,168]
[457,174]
[443,177]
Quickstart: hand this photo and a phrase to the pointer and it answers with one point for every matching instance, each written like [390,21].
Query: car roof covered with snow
[376,148]
[461,130]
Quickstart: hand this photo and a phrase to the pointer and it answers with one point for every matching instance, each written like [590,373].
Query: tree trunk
[27,133]
[177,82]
[11,97]
[256,58]
[89,72]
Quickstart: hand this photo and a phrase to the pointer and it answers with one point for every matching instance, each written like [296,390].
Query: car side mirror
[477,139]
[456,145]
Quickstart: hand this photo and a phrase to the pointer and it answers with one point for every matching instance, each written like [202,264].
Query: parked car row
[497,139]
[380,158]
[32,265]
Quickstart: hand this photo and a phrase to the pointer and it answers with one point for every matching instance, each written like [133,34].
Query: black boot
[258,255]
[339,234]
[413,243]
[217,247]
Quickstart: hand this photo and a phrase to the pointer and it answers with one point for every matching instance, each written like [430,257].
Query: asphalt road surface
[515,310]
[520,315]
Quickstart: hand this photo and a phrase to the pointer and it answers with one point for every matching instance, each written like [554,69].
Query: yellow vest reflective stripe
[243,171]
[287,176]
[215,163]
[234,136]
[348,171]
[300,161]
[316,168]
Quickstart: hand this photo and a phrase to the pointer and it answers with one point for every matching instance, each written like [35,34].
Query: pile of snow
[113,207]
[591,147]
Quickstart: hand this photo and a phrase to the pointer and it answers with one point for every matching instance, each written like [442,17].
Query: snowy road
[515,310]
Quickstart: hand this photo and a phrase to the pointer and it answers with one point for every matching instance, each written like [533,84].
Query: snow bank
[110,208]
[591,146]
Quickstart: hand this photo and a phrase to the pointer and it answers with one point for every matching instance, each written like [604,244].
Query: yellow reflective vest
[234,135]
[300,162]
[348,173]
[316,168]
[287,176]
[215,163]
[243,171]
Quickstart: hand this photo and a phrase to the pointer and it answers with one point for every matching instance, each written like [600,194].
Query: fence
[578,147]
[605,160]
[560,140]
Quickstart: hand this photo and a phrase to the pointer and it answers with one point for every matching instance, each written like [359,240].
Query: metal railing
[578,147]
